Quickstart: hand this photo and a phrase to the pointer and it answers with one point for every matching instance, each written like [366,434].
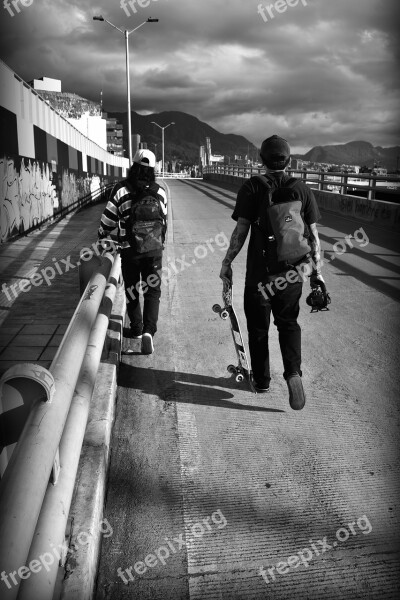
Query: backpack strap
[268,183]
[291,182]
[265,179]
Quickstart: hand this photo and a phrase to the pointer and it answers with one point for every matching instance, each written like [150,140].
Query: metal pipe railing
[23,487]
[321,179]
[52,523]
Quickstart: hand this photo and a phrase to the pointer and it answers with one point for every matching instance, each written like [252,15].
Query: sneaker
[297,398]
[136,332]
[147,344]
[259,389]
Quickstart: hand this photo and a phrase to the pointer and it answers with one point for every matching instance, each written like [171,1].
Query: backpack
[146,225]
[282,226]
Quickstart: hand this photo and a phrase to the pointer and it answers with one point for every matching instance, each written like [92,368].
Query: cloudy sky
[320,72]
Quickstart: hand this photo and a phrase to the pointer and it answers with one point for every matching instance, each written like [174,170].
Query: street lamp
[162,129]
[126,34]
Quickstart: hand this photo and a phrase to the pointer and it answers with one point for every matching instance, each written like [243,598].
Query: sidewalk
[35,315]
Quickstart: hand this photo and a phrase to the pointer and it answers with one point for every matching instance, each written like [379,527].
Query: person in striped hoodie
[137,208]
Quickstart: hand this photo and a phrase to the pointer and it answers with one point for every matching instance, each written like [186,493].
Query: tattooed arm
[238,238]
[315,254]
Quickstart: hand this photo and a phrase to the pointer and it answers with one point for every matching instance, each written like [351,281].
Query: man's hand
[316,279]
[106,244]
[226,273]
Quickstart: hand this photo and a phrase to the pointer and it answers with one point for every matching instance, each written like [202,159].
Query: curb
[86,513]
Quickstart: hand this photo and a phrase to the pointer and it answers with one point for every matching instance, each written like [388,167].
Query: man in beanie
[261,296]
[140,266]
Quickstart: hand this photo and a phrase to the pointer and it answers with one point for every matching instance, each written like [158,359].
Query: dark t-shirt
[247,206]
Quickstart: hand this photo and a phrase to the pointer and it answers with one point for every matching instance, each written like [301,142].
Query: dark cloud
[322,73]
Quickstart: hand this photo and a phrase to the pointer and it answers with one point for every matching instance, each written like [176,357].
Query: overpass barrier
[45,162]
[380,213]
[37,483]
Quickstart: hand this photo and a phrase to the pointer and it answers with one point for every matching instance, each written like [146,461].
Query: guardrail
[176,176]
[91,198]
[38,482]
[343,182]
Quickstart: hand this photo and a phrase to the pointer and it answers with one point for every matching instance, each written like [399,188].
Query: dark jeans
[142,268]
[284,305]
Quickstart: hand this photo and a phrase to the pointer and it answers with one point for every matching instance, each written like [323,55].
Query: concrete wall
[377,212]
[46,164]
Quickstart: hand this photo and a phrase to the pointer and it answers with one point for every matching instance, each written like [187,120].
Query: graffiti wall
[31,193]
[46,165]
[27,196]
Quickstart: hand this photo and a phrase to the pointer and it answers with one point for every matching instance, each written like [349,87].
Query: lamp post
[162,129]
[126,34]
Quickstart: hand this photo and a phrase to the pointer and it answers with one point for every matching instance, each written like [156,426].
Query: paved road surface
[215,493]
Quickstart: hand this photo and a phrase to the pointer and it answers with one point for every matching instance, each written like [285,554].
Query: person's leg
[257,309]
[130,267]
[150,267]
[285,308]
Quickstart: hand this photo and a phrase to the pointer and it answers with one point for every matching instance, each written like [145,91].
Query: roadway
[216,493]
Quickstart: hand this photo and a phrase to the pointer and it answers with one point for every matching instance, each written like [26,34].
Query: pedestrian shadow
[191,388]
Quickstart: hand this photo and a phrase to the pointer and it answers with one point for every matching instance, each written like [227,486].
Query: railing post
[372,183]
[321,180]
[343,183]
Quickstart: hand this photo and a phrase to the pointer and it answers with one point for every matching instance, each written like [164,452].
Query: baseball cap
[146,158]
[275,146]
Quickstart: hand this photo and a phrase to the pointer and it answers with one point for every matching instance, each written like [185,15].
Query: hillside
[355,153]
[183,140]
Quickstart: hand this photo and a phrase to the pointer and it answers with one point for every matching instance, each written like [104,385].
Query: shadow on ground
[189,388]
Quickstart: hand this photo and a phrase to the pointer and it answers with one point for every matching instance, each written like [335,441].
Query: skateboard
[242,371]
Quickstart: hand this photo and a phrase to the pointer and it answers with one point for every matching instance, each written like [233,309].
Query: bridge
[161,477]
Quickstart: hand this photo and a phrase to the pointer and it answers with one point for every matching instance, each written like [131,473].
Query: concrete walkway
[34,316]
[215,493]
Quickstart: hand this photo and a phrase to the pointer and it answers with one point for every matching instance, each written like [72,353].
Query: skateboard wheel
[231,369]
[224,314]
[216,308]
[239,378]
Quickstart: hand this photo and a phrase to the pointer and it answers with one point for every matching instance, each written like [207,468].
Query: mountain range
[184,138]
[355,153]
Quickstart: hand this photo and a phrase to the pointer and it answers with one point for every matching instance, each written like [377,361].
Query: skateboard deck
[242,370]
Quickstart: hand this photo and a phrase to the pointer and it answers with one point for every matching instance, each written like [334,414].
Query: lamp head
[98,18]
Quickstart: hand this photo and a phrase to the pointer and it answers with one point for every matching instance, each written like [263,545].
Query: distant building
[202,157]
[83,114]
[216,159]
[114,136]
[46,84]
[208,150]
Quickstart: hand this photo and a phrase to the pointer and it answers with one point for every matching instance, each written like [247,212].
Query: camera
[319,298]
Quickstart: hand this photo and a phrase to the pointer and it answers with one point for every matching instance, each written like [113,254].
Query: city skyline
[312,72]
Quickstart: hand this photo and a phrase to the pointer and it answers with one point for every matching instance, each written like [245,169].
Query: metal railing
[176,176]
[38,483]
[342,181]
